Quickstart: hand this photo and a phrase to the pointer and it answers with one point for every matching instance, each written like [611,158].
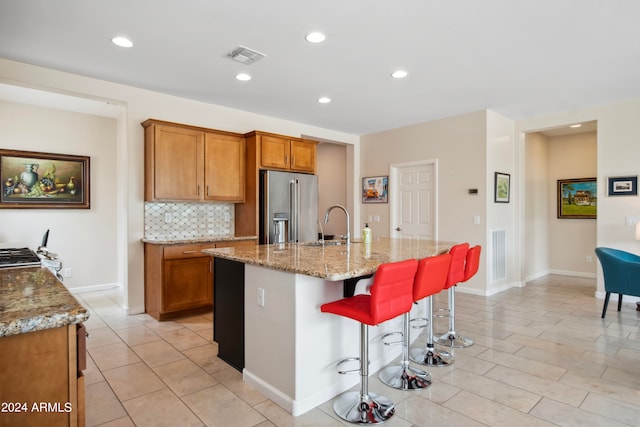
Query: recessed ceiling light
[244,77]
[121,41]
[576,125]
[399,74]
[315,37]
[324,100]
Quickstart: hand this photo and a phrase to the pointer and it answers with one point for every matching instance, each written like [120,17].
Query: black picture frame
[622,186]
[501,187]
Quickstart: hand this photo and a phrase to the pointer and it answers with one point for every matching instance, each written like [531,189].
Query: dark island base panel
[228,311]
[349,286]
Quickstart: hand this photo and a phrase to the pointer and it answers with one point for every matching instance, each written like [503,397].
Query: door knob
[398,229]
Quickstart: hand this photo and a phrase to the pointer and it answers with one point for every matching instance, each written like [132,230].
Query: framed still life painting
[43,180]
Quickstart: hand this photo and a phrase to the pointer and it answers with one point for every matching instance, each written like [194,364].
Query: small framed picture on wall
[623,186]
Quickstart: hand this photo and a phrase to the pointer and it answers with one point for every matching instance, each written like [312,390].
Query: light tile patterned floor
[542,357]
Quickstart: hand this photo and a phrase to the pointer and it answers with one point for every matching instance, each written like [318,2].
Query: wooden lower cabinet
[178,278]
[41,383]
[186,283]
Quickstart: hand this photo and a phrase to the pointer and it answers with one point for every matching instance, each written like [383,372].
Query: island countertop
[32,299]
[332,262]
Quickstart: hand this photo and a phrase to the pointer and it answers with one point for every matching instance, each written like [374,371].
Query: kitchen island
[42,352]
[273,293]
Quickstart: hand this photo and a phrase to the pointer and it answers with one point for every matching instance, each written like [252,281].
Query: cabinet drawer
[186,251]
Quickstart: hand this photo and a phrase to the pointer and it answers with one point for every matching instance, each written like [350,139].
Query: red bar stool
[459,273]
[391,295]
[431,273]
[430,279]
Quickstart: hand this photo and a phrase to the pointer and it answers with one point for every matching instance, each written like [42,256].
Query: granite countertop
[337,262]
[185,241]
[32,299]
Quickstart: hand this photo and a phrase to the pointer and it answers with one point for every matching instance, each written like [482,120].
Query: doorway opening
[554,245]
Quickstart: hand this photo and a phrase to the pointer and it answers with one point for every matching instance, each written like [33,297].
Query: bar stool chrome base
[429,356]
[355,408]
[453,339]
[405,378]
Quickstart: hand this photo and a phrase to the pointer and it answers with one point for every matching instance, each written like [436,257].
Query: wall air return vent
[245,55]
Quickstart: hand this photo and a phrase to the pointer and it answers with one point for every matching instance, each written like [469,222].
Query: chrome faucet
[326,219]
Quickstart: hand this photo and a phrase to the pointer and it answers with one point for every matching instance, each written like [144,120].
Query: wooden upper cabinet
[189,163]
[224,160]
[281,152]
[176,163]
[303,156]
[274,152]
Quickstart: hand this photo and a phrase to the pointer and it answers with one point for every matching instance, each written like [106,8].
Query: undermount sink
[321,243]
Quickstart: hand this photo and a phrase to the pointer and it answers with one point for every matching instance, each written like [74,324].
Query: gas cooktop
[18,257]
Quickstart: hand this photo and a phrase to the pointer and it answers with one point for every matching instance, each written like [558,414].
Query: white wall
[460,146]
[537,204]
[332,175]
[500,216]
[83,238]
[140,105]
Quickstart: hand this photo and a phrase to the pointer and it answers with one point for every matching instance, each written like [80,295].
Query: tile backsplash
[186,220]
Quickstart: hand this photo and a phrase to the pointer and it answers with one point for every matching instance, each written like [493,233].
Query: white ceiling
[518,58]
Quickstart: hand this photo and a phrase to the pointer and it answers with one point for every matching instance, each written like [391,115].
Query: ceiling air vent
[245,55]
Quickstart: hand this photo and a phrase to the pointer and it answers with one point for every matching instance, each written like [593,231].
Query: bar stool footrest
[392,342]
[348,371]
[420,319]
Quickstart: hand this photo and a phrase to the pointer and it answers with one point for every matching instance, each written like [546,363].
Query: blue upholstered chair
[621,274]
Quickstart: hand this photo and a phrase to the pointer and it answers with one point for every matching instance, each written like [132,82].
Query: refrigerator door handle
[293,212]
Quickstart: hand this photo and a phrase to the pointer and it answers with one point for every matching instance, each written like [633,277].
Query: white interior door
[414,206]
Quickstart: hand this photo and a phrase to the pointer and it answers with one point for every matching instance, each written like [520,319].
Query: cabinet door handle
[285,159]
[189,252]
[293,160]
[197,190]
[207,190]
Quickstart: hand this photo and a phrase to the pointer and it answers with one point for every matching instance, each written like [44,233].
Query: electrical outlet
[589,258]
[167,217]
[631,221]
[66,272]
[376,218]
[227,216]
[260,297]
[476,219]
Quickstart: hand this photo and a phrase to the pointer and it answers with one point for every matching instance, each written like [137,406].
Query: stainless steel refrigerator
[288,207]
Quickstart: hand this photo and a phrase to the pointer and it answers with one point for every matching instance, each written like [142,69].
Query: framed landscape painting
[43,180]
[577,198]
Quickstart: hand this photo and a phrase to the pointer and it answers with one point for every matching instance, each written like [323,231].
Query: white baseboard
[573,273]
[536,275]
[614,297]
[135,310]
[489,292]
[93,288]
